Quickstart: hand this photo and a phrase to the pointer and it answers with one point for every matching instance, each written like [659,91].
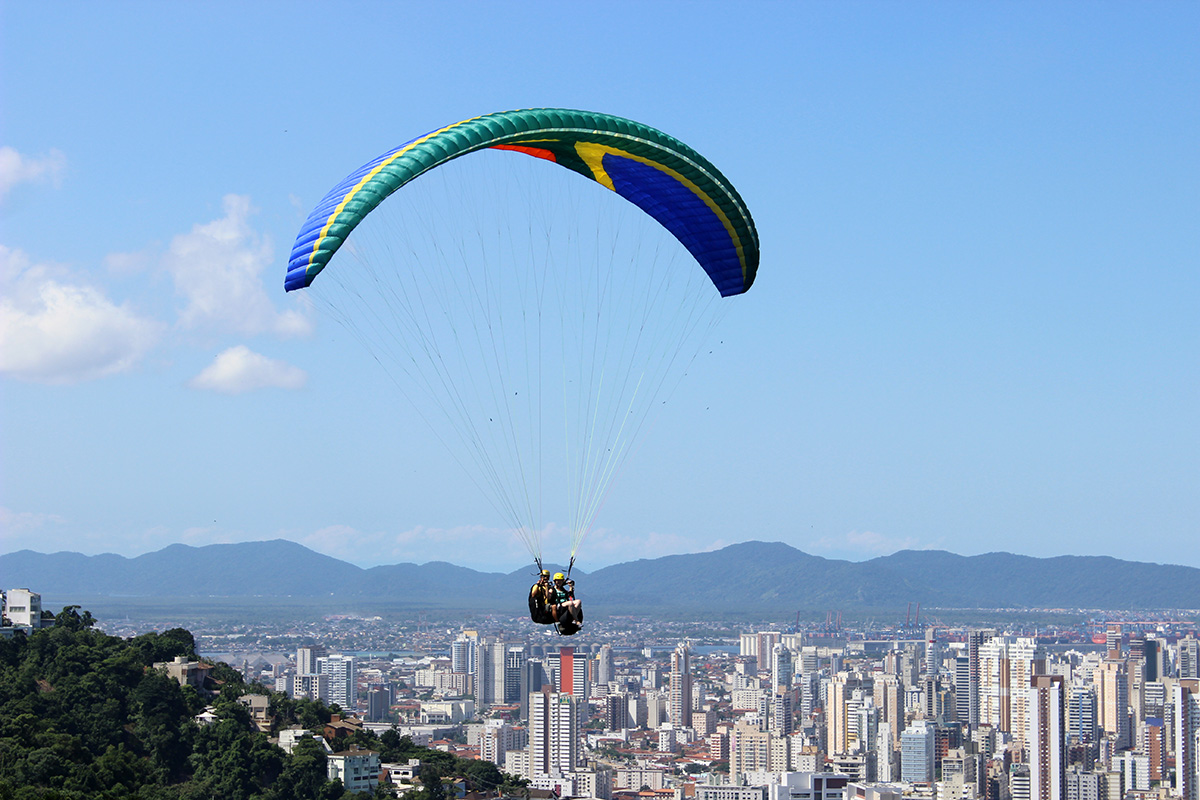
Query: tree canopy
[85,715]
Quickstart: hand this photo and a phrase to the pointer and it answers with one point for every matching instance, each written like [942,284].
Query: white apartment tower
[462,653]
[490,672]
[342,676]
[554,733]
[933,653]
[1189,657]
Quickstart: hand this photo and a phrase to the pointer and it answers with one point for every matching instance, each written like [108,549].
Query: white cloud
[22,522]
[239,369]
[218,270]
[56,329]
[16,169]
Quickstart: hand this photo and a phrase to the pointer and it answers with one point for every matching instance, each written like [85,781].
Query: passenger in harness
[540,602]
[564,607]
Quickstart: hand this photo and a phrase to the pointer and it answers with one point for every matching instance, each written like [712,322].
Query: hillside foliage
[85,715]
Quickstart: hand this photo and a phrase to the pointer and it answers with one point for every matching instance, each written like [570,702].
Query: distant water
[232,658]
[698,649]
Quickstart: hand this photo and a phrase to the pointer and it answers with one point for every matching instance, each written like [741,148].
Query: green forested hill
[83,715]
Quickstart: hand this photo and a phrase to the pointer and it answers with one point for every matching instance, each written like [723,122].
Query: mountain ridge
[745,575]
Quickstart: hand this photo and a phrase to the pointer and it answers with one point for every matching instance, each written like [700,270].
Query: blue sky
[975,326]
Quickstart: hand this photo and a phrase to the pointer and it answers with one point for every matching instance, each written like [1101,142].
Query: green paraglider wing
[664,177]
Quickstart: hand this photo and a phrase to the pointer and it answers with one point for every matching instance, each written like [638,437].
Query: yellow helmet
[558,576]
[545,573]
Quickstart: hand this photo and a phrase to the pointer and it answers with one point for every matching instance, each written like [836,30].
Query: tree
[431,779]
[70,619]
[482,775]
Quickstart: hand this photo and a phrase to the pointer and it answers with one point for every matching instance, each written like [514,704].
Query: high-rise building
[342,674]
[462,653]
[781,713]
[917,753]
[681,686]
[604,665]
[781,668]
[840,704]
[933,653]
[754,750]
[1046,737]
[889,699]
[1112,701]
[497,738]
[491,674]
[1018,782]
[1187,738]
[514,674]
[312,686]
[379,701]
[306,659]
[1006,665]
[616,712]
[866,727]
[1189,657]
[535,680]
[975,640]
[1112,641]
[1157,658]
[765,646]
[1152,741]
[962,688]
[573,673]
[1081,713]
[555,723]
[809,688]
[1083,785]
[885,754]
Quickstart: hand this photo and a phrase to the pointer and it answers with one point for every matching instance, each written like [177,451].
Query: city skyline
[974,713]
[973,329]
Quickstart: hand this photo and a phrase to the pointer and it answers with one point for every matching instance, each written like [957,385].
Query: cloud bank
[54,328]
[217,268]
[239,369]
[17,169]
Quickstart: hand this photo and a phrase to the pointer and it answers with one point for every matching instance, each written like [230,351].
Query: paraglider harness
[567,627]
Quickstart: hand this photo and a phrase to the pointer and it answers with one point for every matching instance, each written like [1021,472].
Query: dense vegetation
[84,715]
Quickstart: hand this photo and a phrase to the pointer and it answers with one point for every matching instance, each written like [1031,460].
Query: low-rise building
[358,770]
[188,673]
[23,608]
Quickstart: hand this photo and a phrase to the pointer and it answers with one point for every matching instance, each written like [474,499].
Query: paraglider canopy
[661,175]
[550,326]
